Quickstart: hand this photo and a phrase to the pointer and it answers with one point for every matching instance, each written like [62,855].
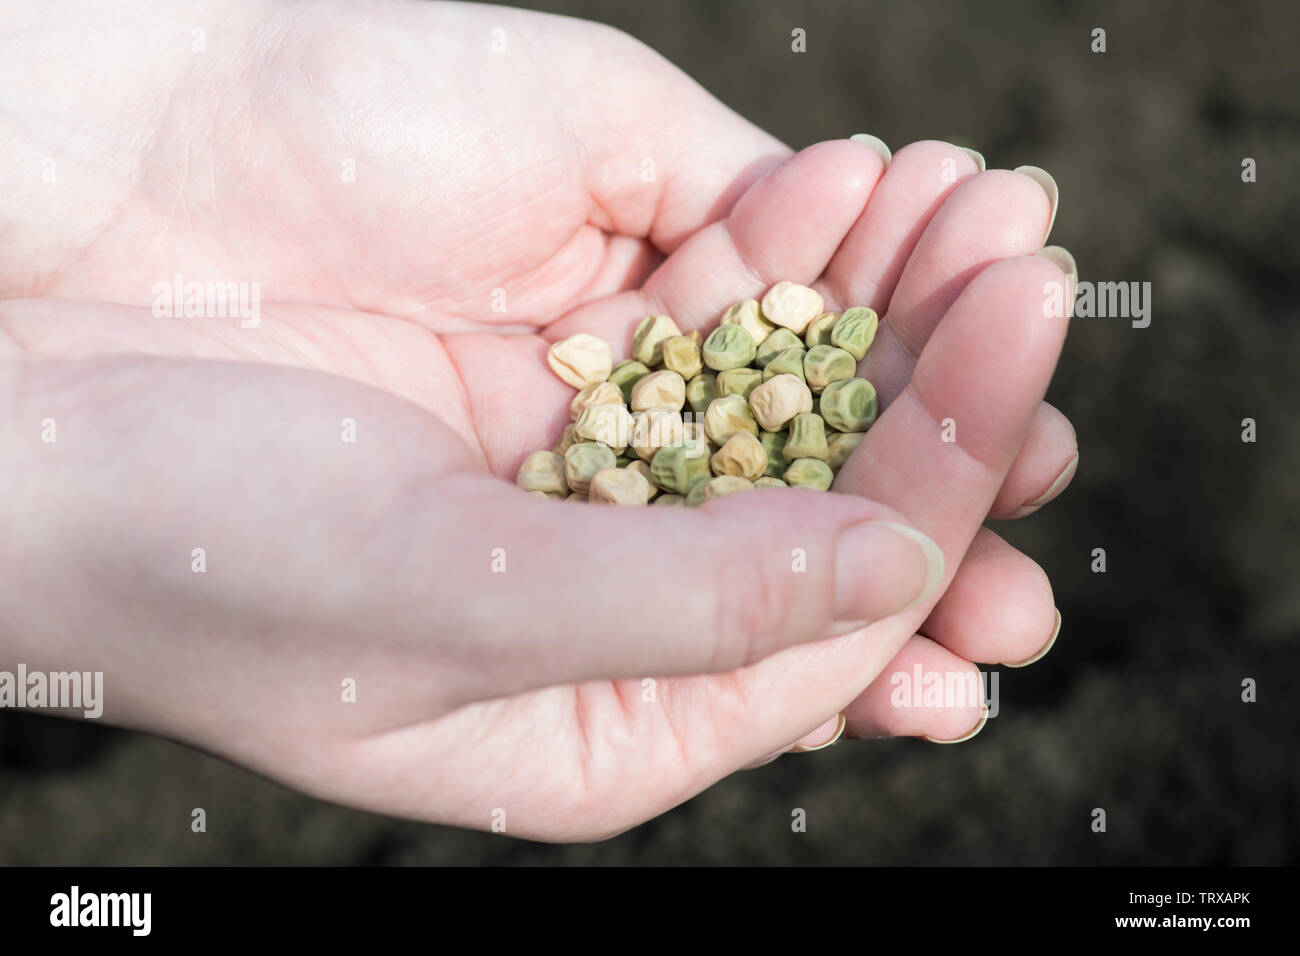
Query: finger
[992,217]
[988,365]
[941,451]
[565,592]
[926,691]
[869,262]
[988,217]
[828,734]
[999,607]
[787,227]
[1050,449]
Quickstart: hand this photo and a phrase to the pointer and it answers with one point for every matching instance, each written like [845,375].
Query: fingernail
[877,144]
[984,719]
[1046,647]
[1055,487]
[882,569]
[977,156]
[836,729]
[1062,258]
[1044,179]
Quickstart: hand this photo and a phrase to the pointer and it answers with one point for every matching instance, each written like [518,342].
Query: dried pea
[807,438]
[855,331]
[809,473]
[728,346]
[739,381]
[583,460]
[626,374]
[849,405]
[648,340]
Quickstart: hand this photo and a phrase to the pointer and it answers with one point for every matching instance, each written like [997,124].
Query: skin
[481,179]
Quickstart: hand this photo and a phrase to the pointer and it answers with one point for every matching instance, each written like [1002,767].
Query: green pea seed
[839,446]
[774,445]
[807,438]
[849,405]
[682,355]
[819,330]
[701,391]
[786,362]
[676,467]
[725,485]
[695,494]
[583,460]
[739,381]
[774,344]
[648,340]
[728,346]
[855,331]
[809,473]
[626,374]
[825,364]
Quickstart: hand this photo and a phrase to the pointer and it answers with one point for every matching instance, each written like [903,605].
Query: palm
[397,253]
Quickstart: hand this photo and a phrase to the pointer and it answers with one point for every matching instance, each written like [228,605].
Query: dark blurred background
[1138,708]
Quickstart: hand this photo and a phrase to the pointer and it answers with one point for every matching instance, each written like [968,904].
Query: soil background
[1138,709]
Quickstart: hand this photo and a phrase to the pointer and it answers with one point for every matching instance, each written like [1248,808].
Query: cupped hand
[426,195]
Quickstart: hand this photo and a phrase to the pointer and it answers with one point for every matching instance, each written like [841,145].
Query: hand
[372,561]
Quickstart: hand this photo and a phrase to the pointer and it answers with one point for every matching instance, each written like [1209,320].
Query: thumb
[566,592]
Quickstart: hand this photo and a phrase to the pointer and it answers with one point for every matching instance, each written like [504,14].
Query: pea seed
[727,415]
[791,305]
[642,468]
[602,393]
[840,445]
[778,400]
[807,438]
[787,362]
[725,485]
[653,429]
[567,439]
[620,486]
[825,364]
[849,405]
[701,391]
[739,381]
[774,345]
[580,360]
[819,330]
[774,446]
[749,317]
[855,331]
[609,424]
[543,471]
[659,389]
[583,460]
[648,340]
[626,374]
[682,355]
[769,482]
[809,473]
[676,467]
[742,456]
[728,346]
